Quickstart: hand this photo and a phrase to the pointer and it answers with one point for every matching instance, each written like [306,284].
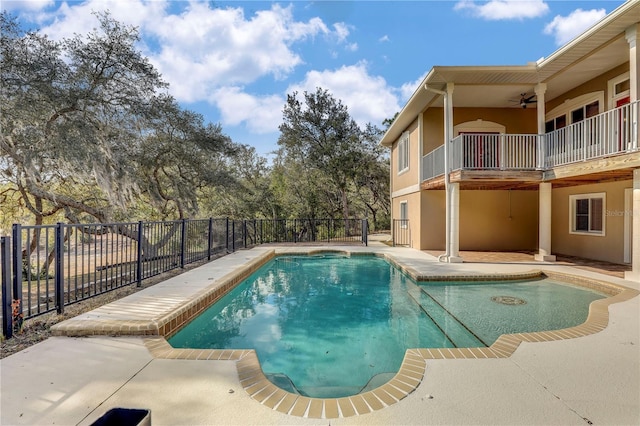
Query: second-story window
[403,153]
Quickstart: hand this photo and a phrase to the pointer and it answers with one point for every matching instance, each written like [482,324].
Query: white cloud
[384,38]
[217,47]
[408,89]
[368,98]
[342,31]
[26,5]
[565,28]
[78,18]
[352,47]
[495,10]
[260,114]
[203,48]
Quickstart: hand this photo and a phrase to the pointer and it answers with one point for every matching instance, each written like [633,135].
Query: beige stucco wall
[411,176]
[515,121]
[488,220]
[433,129]
[597,84]
[413,208]
[498,220]
[433,226]
[610,247]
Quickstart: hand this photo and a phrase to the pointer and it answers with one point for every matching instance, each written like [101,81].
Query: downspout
[447,252]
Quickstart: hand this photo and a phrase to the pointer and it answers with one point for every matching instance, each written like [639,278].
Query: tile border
[413,367]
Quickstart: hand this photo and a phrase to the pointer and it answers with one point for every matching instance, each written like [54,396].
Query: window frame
[404,212]
[403,153]
[611,87]
[573,214]
[565,110]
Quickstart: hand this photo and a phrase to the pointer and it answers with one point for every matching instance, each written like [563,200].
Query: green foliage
[338,166]
[88,132]
[90,135]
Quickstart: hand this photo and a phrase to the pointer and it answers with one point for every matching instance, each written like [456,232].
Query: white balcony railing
[494,152]
[433,163]
[610,133]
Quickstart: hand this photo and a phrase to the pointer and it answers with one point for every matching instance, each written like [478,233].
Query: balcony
[502,155]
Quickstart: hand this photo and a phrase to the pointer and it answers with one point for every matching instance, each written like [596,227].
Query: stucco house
[542,157]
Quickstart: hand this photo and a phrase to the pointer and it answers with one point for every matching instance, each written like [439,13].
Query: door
[481,150]
[624,130]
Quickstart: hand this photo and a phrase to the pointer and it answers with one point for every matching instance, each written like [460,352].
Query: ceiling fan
[526,100]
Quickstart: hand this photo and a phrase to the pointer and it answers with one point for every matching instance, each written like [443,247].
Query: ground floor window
[586,213]
[404,213]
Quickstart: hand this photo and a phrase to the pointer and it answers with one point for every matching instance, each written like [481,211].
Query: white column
[454,238]
[632,34]
[544,224]
[634,274]
[453,190]
[540,90]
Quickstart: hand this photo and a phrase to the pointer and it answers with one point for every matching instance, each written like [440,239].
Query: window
[575,110]
[587,214]
[403,153]
[404,214]
[586,111]
[619,89]
[555,124]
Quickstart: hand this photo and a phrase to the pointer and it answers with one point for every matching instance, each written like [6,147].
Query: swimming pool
[311,318]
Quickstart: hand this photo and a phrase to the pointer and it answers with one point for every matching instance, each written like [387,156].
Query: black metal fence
[57,265]
[401,232]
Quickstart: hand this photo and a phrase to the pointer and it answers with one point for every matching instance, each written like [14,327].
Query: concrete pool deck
[70,380]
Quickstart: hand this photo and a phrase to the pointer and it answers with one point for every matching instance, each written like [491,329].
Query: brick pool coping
[164,322]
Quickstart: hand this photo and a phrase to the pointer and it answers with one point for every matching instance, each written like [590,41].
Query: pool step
[455,331]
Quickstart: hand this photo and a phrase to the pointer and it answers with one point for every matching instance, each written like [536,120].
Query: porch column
[632,34]
[540,90]
[454,238]
[544,224]
[634,274]
[452,190]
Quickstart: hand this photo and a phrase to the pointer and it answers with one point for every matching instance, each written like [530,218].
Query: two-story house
[542,157]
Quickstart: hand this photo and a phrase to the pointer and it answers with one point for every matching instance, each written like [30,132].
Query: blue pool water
[332,326]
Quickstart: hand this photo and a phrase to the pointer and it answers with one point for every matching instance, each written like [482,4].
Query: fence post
[7,311]
[365,232]
[17,264]
[59,274]
[183,241]
[227,235]
[210,238]
[233,235]
[294,230]
[244,232]
[139,256]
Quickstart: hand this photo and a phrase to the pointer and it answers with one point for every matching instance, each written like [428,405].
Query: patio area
[590,379]
[606,268]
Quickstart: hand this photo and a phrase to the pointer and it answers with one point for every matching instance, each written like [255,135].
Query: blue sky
[235,61]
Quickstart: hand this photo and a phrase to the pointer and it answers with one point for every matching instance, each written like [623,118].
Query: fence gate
[401,232]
